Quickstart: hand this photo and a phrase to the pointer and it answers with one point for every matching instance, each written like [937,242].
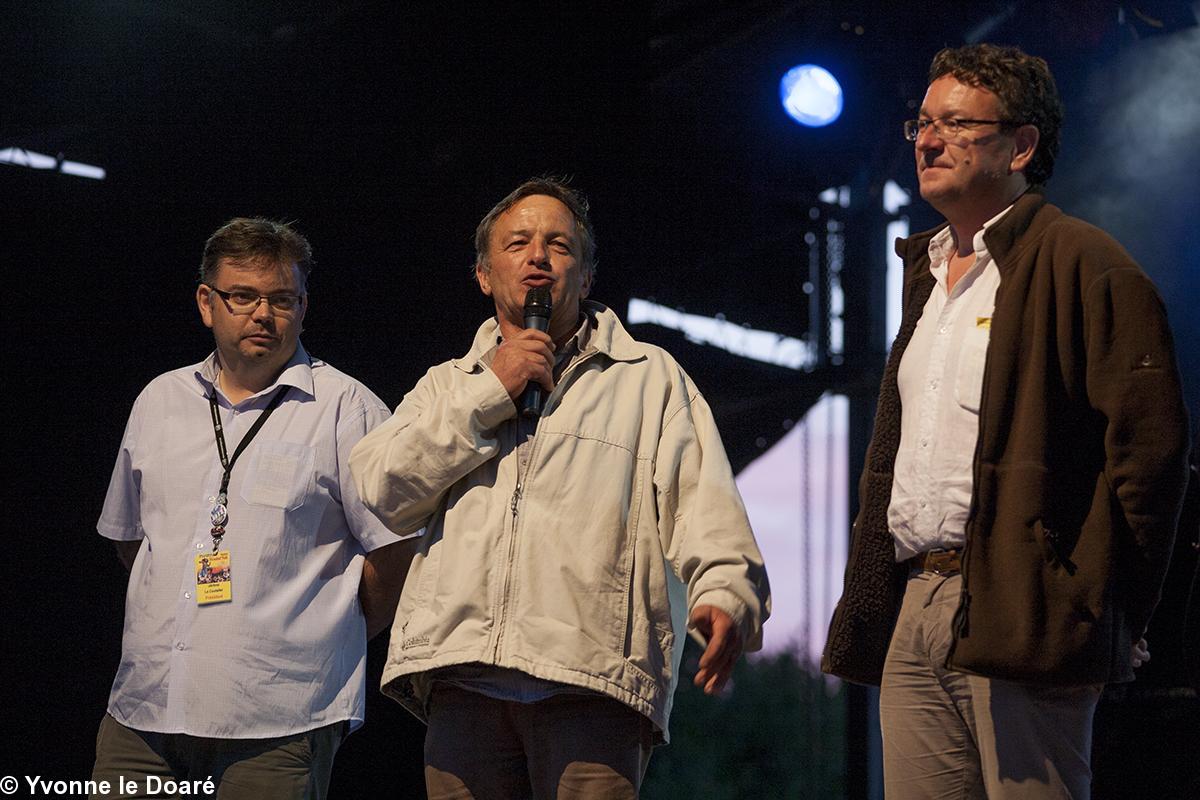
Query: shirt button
[923,505]
[187,595]
[924,443]
[933,384]
[944,329]
[199,545]
[179,645]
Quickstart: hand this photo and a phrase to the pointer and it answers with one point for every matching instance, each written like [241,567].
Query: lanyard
[219,514]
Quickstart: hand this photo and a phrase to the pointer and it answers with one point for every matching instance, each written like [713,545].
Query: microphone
[537,316]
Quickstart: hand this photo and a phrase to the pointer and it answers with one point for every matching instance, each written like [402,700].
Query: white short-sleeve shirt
[288,653]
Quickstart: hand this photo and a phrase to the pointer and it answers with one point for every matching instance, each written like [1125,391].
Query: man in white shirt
[256,574]
[1027,465]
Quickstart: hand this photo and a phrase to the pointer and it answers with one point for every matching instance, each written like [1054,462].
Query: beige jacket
[582,567]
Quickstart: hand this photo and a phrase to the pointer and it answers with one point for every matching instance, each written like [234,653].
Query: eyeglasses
[243,302]
[949,128]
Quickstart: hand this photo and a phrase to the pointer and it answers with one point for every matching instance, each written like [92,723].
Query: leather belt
[939,562]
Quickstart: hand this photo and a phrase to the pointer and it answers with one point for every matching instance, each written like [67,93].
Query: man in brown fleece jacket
[1027,466]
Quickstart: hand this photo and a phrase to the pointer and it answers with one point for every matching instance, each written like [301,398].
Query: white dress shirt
[941,378]
[288,653]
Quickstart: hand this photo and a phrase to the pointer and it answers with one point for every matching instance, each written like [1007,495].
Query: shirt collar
[602,333]
[570,347]
[941,246]
[579,339]
[296,373]
[579,342]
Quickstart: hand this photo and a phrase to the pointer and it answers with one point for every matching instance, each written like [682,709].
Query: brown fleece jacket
[1079,469]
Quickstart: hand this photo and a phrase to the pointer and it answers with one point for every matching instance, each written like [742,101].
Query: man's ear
[204,303]
[589,278]
[483,278]
[1025,142]
[299,318]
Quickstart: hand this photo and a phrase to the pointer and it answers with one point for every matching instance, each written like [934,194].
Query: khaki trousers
[948,734]
[567,747]
[294,767]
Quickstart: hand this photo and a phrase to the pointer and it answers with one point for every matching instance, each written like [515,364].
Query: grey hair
[551,187]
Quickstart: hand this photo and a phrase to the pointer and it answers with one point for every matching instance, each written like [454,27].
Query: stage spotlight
[811,95]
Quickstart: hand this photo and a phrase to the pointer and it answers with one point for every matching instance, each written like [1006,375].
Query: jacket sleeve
[1133,382]
[443,429]
[703,525]
[366,411]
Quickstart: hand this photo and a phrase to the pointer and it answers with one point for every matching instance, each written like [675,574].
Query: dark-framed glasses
[241,301]
[949,128]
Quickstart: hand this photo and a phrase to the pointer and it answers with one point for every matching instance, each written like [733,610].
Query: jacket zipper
[514,507]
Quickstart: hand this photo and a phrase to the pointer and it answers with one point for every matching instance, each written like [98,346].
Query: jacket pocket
[652,654]
[1058,545]
[632,611]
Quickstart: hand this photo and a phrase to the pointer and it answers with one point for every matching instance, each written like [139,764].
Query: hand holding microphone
[525,362]
[538,305]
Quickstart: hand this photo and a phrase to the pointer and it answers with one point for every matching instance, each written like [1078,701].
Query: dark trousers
[146,764]
[567,747]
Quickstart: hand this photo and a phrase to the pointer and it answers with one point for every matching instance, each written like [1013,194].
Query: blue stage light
[811,95]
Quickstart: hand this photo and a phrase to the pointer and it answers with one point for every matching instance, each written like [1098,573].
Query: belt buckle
[941,562]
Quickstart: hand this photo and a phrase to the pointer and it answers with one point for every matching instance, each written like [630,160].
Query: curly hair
[1024,86]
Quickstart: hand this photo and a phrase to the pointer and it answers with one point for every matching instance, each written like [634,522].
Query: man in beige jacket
[564,556]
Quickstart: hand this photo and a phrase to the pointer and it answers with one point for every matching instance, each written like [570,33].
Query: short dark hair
[550,186]
[250,238]
[1023,84]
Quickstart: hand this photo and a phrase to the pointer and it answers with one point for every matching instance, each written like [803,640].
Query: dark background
[386,131]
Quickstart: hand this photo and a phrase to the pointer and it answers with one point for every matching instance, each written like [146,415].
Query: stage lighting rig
[20,157]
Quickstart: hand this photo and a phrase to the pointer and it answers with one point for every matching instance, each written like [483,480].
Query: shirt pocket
[279,475]
[968,382]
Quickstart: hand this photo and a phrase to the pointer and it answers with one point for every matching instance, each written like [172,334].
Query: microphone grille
[538,302]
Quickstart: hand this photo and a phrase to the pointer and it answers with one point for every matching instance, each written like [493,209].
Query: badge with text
[213,584]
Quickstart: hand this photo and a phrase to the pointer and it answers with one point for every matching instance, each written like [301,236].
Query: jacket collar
[1001,239]
[608,337]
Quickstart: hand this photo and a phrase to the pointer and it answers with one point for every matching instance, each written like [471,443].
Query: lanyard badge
[213,581]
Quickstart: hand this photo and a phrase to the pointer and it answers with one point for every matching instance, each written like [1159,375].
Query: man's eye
[561,247]
[243,298]
[516,243]
[282,300]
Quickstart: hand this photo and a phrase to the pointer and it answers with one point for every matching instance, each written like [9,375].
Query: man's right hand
[527,356]
[1139,654]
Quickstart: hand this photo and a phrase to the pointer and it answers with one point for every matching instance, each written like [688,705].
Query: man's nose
[262,312]
[539,254]
[928,139]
